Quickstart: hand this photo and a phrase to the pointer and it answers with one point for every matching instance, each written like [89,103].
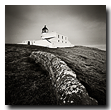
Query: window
[65,42]
[62,37]
[62,41]
[58,36]
[58,40]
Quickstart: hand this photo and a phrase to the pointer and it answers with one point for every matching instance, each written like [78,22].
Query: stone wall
[68,90]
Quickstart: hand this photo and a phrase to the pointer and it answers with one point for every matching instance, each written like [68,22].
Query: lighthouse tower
[46,34]
[54,39]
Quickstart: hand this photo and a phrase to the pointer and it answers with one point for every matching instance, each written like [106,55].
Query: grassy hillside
[28,83]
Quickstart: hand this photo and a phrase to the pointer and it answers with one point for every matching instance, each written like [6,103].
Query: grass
[27,83]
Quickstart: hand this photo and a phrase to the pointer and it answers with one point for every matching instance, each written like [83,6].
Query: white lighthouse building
[50,39]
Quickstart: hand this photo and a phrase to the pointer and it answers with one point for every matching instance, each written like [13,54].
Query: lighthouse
[50,39]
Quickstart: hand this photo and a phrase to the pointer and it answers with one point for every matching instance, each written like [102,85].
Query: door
[28,42]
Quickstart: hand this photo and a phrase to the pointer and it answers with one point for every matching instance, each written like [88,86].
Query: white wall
[44,43]
[48,35]
[59,40]
[51,40]
[26,42]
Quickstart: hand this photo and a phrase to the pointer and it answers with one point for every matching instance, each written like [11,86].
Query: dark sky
[84,25]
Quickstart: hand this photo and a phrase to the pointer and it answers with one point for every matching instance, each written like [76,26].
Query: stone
[68,89]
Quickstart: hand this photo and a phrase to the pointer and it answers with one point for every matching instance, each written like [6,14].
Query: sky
[83,24]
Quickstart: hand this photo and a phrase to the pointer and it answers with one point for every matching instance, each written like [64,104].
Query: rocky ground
[28,83]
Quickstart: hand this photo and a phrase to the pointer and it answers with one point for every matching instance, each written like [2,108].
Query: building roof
[45,28]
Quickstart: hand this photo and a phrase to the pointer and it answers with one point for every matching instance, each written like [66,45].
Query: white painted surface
[51,40]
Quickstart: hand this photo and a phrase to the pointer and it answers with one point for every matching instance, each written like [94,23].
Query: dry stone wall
[68,90]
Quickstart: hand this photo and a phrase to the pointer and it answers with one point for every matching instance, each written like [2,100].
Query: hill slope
[27,83]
